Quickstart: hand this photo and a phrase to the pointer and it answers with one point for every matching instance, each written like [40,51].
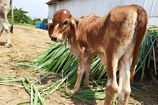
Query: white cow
[5,7]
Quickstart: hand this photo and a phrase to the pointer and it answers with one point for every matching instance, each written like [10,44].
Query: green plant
[20,16]
[29,86]
[58,59]
[147,52]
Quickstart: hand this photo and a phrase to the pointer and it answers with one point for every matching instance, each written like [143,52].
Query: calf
[116,38]
[5,7]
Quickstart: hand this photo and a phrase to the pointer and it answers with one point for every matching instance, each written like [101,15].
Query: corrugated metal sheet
[101,7]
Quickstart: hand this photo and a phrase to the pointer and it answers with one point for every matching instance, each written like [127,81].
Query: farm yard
[24,47]
[29,43]
[78,52]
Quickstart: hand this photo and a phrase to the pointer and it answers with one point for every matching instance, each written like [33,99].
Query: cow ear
[74,22]
[50,28]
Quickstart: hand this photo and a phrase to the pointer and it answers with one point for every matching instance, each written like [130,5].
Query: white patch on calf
[56,26]
[109,83]
[57,34]
[65,12]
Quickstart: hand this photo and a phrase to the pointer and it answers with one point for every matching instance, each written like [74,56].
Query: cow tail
[11,28]
[140,33]
[12,16]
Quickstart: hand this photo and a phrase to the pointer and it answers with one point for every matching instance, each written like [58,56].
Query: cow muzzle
[54,39]
[57,38]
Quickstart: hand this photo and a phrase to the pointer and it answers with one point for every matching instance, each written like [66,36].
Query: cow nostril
[54,39]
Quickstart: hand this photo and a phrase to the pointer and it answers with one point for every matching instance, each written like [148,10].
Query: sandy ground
[30,42]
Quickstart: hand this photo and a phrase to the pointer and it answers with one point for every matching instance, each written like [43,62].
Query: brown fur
[115,37]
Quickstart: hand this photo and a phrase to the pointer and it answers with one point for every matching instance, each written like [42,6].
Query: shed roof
[54,2]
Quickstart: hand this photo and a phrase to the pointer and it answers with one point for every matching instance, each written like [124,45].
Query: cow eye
[65,22]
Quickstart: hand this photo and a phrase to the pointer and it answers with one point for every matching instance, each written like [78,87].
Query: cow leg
[8,44]
[112,86]
[124,76]
[124,81]
[87,71]
[80,71]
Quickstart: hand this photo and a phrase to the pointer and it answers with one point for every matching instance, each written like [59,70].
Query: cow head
[61,25]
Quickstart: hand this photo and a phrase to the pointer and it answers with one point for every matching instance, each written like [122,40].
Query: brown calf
[115,37]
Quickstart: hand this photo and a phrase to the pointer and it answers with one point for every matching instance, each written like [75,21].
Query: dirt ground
[30,42]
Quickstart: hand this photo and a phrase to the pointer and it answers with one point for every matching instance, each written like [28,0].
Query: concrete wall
[101,7]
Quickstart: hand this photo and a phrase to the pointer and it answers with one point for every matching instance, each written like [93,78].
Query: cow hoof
[73,91]
[86,84]
[7,45]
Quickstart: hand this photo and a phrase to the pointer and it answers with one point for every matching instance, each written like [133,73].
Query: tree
[35,20]
[45,21]
[20,16]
